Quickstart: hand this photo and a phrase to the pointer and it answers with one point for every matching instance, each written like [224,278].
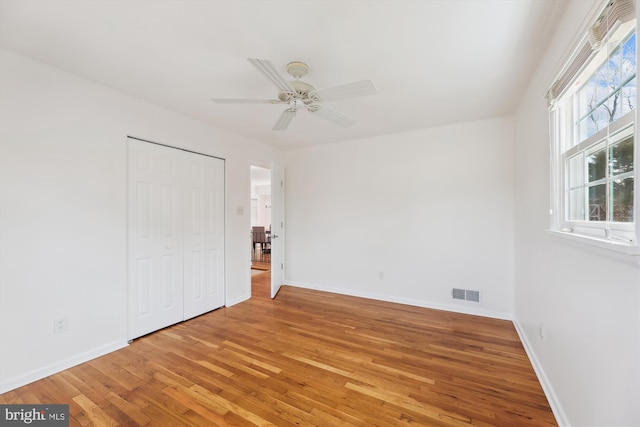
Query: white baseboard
[556,407]
[38,374]
[463,309]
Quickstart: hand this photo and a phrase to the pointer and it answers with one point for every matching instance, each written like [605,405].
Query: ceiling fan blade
[349,90]
[333,116]
[246,101]
[271,72]
[284,119]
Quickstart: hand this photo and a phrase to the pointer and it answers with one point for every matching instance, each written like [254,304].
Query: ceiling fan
[298,94]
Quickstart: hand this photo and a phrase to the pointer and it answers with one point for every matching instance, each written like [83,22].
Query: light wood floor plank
[307,358]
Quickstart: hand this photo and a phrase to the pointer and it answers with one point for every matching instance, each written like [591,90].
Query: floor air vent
[466,295]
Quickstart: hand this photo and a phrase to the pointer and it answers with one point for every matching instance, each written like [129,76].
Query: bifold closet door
[203,235]
[175,236]
[155,238]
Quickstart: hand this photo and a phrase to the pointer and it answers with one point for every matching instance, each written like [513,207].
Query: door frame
[271,166]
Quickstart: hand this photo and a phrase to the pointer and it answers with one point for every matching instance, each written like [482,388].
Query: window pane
[622,200]
[597,165]
[587,97]
[586,128]
[575,211]
[597,120]
[628,99]
[621,157]
[629,58]
[597,203]
[575,171]
[614,78]
[605,97]
[603,80]
[612,107]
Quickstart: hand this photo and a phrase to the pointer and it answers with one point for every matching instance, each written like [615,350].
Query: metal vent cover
[473,296]
[465,294]
[458,293]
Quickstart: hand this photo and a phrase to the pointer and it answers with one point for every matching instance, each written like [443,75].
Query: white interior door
[204,235]
[277,229]
[155,238]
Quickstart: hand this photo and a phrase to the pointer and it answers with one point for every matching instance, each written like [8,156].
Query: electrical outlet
[381,275]
[60,325]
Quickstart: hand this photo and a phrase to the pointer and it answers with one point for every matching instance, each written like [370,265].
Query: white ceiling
[433,62]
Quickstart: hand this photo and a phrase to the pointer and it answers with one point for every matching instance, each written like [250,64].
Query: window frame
[564,131]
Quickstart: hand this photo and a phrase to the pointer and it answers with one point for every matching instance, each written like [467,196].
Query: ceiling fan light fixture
[297,69]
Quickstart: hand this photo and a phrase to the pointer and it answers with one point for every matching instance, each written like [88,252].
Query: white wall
[262,205]
[63,212]
[586,300]
[406,217]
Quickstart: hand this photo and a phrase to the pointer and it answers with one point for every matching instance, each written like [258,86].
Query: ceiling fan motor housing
[302,91]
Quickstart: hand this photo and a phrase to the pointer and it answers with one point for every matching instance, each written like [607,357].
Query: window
[592,117]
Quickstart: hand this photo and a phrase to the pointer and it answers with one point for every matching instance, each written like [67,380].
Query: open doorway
[260,230]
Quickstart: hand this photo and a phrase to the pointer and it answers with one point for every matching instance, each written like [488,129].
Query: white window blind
[615,13]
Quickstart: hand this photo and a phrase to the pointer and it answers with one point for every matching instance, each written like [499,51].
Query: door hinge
[281,266]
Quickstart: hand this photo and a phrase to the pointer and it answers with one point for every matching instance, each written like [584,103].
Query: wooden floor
[259,265]
[307,358]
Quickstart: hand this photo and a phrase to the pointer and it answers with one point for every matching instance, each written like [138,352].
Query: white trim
[552,398]
[462,309]
[611,245]
[54,368]
[616,132]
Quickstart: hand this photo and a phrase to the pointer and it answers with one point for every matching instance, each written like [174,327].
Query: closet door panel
[155,244]
[215,232]
[204,235]
[214,201]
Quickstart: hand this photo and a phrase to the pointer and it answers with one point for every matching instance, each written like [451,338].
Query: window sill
[620,247]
